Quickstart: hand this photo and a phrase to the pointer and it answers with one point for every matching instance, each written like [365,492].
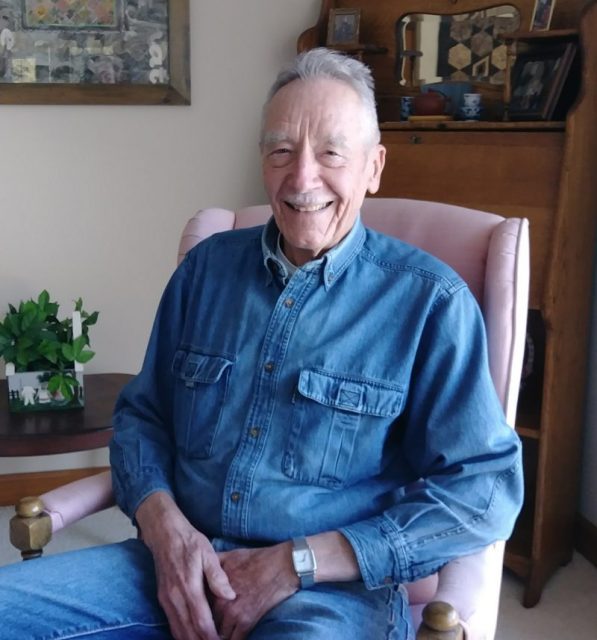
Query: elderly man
[314,423]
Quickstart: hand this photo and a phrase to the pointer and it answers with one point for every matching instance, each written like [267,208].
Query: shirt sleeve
[142,448]
[454,436]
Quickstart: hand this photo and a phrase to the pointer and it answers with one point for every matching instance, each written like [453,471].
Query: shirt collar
[332,264]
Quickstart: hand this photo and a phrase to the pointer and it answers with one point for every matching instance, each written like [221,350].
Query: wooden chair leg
[31,528]
[440,622]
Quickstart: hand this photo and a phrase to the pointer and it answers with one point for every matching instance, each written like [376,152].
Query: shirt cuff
[137,489]
[379,551]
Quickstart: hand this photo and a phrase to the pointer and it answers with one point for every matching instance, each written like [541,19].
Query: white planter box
[28,391]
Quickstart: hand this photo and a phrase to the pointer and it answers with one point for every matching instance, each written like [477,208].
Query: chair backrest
[489,252]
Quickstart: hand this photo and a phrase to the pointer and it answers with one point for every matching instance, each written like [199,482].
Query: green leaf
[47,335]
[9,354]
[52,309]
[24,342]
[78,345]
[22,358]
[28,319]
[72,381]
[43,299]
[12,309]
[49,350]
[68,352]
[78,304]
[66,390]
[85,356]
[54,383]
[13,323]
[91,319]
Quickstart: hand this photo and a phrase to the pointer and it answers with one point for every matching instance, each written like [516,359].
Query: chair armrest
[440,622]
[31,528]
[78,499]
[38,518]
[471,585]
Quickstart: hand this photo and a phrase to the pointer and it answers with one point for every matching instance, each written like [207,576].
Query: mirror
[466,46]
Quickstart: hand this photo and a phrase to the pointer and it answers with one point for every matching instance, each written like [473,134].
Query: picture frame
[109,52]
[542,13]
[537,79]
[343,27]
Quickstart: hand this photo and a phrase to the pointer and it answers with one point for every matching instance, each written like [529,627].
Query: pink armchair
[492,255]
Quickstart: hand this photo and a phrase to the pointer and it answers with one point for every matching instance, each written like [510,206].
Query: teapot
[431,103]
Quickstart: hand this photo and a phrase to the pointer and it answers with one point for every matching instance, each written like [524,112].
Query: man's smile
[308,208]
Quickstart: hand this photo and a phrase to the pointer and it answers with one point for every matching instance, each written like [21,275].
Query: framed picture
[542,13]
[343,27]
[94,52]
[538,77]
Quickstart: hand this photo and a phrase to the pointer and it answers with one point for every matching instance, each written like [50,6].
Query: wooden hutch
[544,171]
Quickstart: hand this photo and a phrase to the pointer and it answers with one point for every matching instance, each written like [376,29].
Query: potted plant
[44,356]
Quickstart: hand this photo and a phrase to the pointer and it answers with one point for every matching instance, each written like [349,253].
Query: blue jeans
[109,593]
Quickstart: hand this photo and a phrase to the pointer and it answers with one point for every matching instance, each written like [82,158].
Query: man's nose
[306,171]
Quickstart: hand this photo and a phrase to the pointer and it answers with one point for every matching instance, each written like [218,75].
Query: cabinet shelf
[474,125]
[528,432]
[550,34]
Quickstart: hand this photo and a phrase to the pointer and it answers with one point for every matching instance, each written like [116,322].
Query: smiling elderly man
[314,423]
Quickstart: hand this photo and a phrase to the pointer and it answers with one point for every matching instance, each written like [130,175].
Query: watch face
[303,560]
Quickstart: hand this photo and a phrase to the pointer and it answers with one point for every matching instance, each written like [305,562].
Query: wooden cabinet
[544,171]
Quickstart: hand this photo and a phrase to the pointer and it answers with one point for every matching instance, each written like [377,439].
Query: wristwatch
[304,562]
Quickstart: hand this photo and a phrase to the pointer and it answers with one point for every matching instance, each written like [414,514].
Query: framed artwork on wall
[94,52]
[538,77]
[343,27]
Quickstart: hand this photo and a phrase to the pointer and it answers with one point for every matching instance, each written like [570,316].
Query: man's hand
[261,578]
[186,564]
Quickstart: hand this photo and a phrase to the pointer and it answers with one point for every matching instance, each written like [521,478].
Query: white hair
[325,63]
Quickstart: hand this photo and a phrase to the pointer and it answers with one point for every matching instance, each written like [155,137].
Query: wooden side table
[47,432]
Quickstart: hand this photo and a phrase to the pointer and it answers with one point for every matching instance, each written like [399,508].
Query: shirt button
[388,580]
[254,432]
[269,366]
[289,303]
[235,497]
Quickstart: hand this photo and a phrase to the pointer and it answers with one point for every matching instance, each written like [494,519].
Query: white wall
[93,199]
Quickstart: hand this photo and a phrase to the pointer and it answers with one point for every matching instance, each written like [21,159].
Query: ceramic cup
[406,107]
[471,100]
[471,112]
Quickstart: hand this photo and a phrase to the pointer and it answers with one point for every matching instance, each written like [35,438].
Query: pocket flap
[197,367]
[351,393]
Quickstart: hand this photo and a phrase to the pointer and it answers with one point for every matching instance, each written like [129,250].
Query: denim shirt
[355,397]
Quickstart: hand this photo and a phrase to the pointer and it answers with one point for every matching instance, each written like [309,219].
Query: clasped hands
[208,595]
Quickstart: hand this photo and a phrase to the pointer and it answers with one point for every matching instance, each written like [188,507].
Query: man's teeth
[309,207]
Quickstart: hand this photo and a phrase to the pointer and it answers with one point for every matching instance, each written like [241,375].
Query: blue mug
[406,107]
[471,112]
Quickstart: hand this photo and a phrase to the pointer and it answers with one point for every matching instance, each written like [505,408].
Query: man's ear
[377,158]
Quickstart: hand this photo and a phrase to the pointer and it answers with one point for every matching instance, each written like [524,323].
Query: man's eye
[280,152]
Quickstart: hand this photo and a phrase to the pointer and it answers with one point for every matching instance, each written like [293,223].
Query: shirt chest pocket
[339,427]
[201,390]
